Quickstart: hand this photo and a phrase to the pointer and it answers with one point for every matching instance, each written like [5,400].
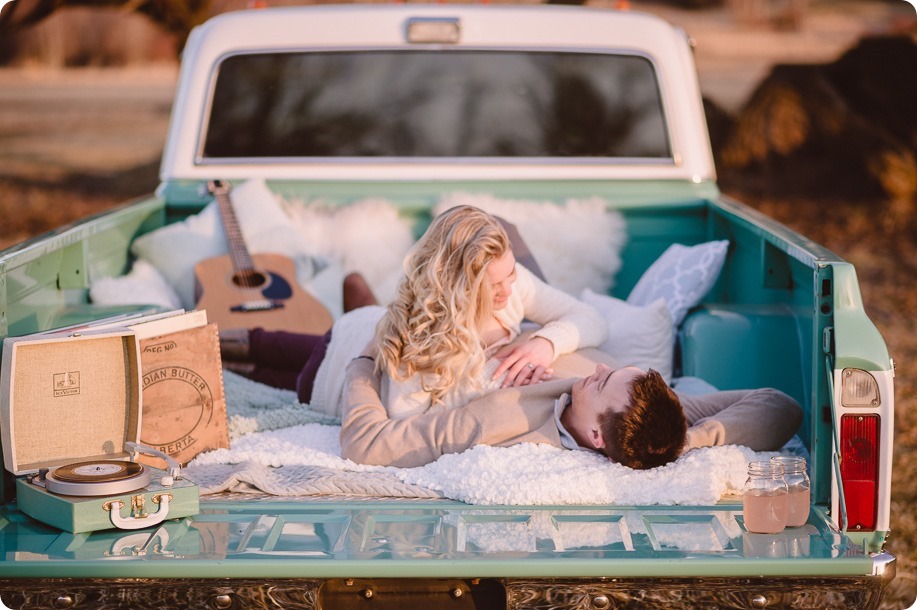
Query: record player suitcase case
[71,404]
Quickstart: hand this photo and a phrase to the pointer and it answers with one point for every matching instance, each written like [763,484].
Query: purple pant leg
[305,381]
[281,357]
[278,349]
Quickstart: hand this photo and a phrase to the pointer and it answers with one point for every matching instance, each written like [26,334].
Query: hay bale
[840,129]
[876,78]
[778,117]
[719,123]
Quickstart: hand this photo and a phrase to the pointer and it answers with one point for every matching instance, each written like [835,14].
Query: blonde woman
[453,332]
[454,329]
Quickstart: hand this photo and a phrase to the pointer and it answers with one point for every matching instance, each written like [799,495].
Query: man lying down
[592,403]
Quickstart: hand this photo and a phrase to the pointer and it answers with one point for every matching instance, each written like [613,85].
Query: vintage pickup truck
[409,103]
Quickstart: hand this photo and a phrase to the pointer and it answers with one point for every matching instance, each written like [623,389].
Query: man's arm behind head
[762,420]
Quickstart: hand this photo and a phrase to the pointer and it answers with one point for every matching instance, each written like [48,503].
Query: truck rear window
[436,104]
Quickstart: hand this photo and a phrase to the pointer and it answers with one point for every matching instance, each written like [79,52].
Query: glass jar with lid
[764,500]
[798,488]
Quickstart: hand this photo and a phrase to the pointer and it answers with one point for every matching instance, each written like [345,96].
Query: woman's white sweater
[568,323]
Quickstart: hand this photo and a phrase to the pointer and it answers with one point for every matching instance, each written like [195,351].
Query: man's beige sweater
[762,419]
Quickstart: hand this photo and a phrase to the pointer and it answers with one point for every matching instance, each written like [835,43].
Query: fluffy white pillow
[640,335]
[175,249]
[144,285]
[367,236]
[577,244]
[682,275]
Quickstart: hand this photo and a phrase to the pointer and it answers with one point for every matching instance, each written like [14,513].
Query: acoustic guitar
[241,290]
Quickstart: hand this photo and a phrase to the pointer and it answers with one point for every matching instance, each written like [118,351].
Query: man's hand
[525,363]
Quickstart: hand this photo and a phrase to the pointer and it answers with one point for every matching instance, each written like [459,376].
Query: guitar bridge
[257,305]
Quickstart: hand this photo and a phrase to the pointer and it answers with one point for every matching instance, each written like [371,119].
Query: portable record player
[70,425]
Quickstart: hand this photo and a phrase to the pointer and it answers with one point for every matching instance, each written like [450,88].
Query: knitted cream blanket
[281,447]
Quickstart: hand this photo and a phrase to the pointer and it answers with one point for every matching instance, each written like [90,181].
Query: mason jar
[798,488]
[764,500]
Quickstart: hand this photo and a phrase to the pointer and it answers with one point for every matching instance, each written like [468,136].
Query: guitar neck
[238,252]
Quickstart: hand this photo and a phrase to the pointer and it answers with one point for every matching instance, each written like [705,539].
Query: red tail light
[860,469]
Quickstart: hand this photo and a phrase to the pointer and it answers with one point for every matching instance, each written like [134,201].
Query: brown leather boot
[357,292]
[234,345]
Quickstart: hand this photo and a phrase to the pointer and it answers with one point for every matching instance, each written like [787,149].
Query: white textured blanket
[304,459]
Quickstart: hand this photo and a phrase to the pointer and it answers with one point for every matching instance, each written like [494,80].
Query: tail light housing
[859,439]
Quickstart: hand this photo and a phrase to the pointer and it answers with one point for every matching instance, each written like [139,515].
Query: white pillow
[682,275]
[638,335]
[175,249]
[144,285]
[576,243]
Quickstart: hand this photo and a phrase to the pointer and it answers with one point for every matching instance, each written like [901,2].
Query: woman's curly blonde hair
[432,327]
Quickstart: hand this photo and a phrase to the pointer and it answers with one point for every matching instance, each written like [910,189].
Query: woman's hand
[526,362]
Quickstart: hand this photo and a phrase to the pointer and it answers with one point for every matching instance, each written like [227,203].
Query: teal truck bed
[409,103]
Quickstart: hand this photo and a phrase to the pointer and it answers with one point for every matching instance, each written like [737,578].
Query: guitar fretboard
[241,259]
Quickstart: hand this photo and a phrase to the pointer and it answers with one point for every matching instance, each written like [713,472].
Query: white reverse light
[859,389]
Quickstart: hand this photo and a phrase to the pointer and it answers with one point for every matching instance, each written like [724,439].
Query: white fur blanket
[577,243]
[304,459]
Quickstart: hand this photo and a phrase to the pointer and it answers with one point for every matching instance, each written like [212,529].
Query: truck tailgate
[402,554]
[325,539]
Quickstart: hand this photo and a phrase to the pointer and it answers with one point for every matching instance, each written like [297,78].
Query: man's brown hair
[651,431]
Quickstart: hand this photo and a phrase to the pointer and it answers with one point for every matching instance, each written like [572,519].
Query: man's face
[605,389]
[501,273]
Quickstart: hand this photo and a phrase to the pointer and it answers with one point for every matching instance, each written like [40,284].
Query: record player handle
[136,521]
[174,466]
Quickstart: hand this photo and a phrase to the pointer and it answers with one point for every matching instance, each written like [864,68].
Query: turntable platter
[97,478]
[95,472]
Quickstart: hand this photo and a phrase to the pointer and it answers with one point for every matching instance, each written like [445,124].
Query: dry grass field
[73,143]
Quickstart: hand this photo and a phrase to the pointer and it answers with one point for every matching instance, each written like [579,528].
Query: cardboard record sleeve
[184,405]
[77,399]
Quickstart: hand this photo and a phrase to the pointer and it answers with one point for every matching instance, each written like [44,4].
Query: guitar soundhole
[251,279]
